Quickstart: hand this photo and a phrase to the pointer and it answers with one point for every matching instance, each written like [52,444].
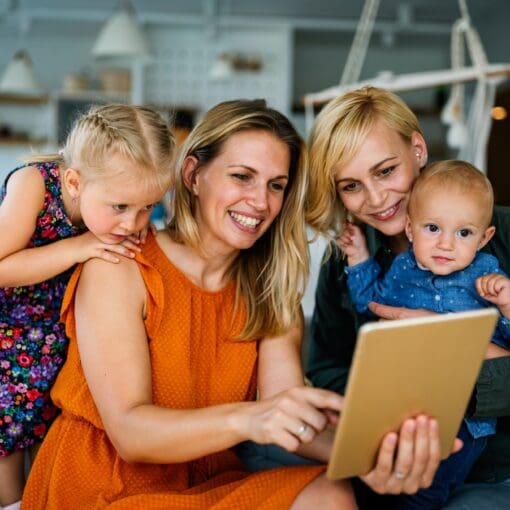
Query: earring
[194,189]
[417,154]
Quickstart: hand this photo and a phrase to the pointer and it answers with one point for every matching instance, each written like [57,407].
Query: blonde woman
[366,150]
[57,211]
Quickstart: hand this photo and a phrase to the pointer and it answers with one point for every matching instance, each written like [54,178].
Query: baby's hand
[495,288]
[353,243]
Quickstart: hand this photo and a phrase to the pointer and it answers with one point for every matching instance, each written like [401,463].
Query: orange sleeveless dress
[194,364]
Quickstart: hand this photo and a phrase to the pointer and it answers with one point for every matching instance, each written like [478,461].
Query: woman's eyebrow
[240,165]
[371,169]
[382,162]
[254,170]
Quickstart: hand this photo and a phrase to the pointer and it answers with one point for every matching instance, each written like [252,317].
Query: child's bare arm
[19,209]
[495,288]
[353,243]
[34,265]
[18,215]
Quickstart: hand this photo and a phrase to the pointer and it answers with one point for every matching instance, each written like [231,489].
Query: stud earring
[194,189]
[417,154]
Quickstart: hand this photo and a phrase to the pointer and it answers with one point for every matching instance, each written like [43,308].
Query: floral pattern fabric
[32,340]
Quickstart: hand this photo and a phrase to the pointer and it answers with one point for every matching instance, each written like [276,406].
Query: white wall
[178,73]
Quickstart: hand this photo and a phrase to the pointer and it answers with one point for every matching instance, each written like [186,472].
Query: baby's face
[447,229]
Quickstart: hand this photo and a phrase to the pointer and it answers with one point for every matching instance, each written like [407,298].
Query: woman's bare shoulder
[109,279]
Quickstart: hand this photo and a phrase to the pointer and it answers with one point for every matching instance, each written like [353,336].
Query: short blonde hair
[457,177]
[271,275]
[336,137]
[135,132]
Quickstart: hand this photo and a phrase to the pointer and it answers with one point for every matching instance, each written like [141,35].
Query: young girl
[58,210]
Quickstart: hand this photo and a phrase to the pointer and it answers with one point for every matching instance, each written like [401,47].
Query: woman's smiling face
[239,193]
[376,183]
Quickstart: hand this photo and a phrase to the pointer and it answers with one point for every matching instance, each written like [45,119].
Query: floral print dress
[32,340]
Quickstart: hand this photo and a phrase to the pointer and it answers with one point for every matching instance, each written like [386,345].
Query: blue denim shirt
[406,284]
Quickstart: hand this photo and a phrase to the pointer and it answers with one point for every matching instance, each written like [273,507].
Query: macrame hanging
[470,136]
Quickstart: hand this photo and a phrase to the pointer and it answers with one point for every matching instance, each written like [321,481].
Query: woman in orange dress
[167,352]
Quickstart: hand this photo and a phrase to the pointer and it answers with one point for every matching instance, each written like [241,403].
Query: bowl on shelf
[115,80]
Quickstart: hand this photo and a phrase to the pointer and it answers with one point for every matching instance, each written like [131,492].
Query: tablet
[403,368]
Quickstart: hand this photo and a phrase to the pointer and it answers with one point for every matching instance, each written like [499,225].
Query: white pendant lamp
[19,76]
[222,68]
[121,36]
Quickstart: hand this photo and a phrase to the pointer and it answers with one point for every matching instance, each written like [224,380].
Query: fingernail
[422,421]
[411,425]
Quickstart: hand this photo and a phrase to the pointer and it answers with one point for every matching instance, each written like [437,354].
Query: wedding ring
[301,430]
[399,475]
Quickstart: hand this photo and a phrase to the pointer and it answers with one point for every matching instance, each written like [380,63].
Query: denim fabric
[406,284]
[470,496]
[451,474]
[481,496]
[258,457]
[481,427]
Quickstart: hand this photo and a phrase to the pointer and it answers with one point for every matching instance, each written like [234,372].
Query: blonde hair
[336,137]
[135,132]
[458,177]
[271,275]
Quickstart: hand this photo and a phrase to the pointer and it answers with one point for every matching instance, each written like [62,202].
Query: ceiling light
[19,76]
[222,68]
[121,36]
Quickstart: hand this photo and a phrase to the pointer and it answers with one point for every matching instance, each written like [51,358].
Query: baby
[443,271]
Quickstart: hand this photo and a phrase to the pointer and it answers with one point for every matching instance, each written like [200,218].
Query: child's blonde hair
[135,132]
[454,176]
[272,274]
[336,137]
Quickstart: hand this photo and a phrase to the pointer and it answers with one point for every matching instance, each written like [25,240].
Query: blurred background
[57,57]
